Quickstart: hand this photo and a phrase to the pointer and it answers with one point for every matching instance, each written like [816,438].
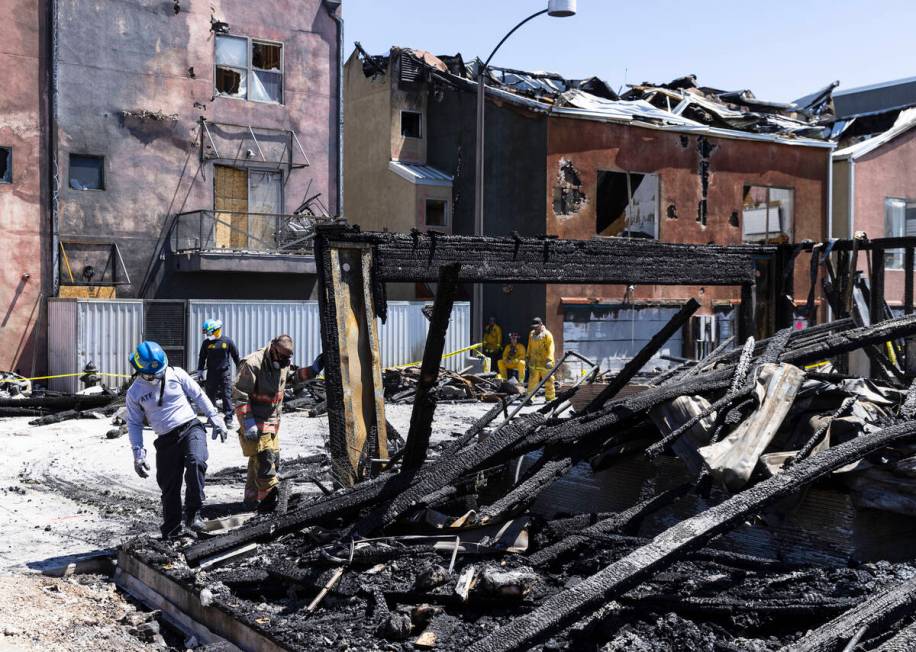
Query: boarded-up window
[247,206]
[6,164]
[249,69]
[627,204]
[230,203]
[436,212]
[411,124]
[767,214]
[87,172]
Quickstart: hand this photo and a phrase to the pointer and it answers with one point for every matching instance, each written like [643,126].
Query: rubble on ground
[460,552]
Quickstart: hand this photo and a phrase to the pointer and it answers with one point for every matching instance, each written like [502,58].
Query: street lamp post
[555,8]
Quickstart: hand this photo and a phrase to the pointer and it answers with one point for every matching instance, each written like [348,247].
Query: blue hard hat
[211,326]
[149,358]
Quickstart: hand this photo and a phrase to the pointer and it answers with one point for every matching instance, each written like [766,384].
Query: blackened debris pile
[470,550]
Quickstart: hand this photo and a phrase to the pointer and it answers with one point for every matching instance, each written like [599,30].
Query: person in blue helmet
[216,354]
[165,396]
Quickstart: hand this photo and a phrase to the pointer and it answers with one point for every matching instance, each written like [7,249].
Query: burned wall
[885,173]
[701,180]
[24,277]
[135,79]
[516,145]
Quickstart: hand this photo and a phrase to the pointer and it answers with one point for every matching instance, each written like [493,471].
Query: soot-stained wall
[516,147]
[158,56]
[24,276]
[678,160]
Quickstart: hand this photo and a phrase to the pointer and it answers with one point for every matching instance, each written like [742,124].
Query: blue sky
[779,49]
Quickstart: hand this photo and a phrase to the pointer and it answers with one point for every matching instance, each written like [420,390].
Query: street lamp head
[561,8]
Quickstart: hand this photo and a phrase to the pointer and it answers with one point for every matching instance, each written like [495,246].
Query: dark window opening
[6,165]
[229,81]
[436,212]
[767,214]
[411,122]
[87,172]
[627,205]
[568,197]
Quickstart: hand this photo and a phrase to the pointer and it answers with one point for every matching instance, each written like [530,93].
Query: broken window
[249,69]
[627,204]
[267,72]
[87,172]
[6,165]
[411,124]
[767,214]
[567,193]
[232,66]
[899,221]
[436,212]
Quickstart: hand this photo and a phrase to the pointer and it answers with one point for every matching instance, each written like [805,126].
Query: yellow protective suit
[540,361]
[513,359]
[492,339]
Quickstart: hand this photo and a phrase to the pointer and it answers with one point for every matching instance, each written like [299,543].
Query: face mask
[211,337]
[151,378]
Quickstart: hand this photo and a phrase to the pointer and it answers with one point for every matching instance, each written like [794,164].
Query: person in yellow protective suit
[540,358]
[513,360]
[492,341]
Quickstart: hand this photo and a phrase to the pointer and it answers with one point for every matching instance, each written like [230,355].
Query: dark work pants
[181,451]
[219,386]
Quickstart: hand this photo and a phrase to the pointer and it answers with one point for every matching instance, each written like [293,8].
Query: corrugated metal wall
[91,330]
[611,335]
[62,320]
[403,337]
[252,324]
[105,332]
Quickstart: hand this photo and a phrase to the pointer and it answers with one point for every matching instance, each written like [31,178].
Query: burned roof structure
[680,104]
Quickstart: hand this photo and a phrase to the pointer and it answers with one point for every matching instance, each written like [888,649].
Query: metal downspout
[331,8]
[53,167]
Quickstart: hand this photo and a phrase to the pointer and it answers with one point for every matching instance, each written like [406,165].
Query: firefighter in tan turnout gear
[258,396]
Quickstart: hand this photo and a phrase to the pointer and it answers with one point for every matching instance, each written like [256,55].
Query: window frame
[446,212]
[893,258]
[8,177]
[250,69]
[768,189]
[420,121]
[103,177]
[658,202]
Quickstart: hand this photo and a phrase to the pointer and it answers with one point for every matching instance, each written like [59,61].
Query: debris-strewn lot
[66,489]
[755,524]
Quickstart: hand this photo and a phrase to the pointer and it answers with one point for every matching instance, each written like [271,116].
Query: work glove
[141,466]
[219,428]
[198,375]
[251,429]
[549,365]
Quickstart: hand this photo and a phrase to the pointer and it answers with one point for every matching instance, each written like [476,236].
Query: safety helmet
[211,326]
[149,359]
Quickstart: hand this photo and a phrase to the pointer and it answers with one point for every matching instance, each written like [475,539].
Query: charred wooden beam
[609,525]
[417,257]
[902,641]
[566,607]
[424,406]
[639,360]
[883,607]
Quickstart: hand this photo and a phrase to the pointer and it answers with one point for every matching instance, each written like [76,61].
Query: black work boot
[195,523]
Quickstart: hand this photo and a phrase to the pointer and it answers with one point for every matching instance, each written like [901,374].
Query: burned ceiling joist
[418,257]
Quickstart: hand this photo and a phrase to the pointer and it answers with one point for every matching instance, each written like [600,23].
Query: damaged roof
[680,105]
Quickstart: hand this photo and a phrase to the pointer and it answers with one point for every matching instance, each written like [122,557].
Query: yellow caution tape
[97,373]
[815,365]
[444,356]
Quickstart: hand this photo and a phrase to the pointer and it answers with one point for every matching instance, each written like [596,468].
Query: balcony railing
[208,230]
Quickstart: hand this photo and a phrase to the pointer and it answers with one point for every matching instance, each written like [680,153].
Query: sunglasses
[149,377]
